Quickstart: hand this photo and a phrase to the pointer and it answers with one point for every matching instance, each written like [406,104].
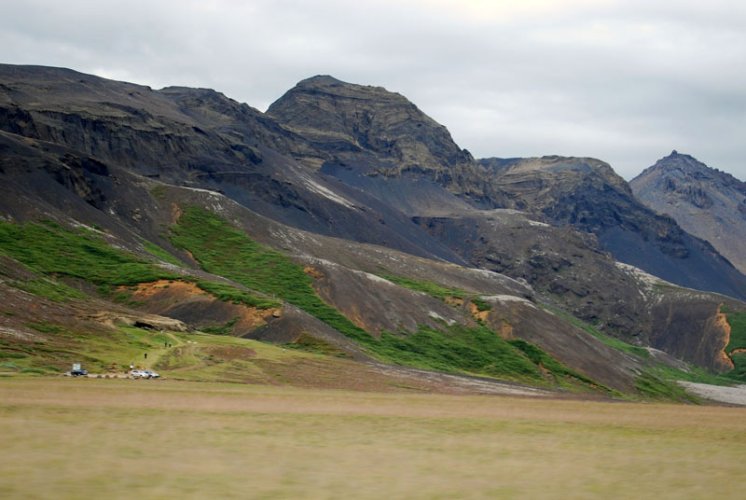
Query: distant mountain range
[344,221]
[705,202]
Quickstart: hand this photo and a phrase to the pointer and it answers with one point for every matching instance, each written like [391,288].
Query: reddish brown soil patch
[250,318]
[313,272]
[454,301]
[476,313]
[721,320]
[189,303]
[176,213]
[506,330]
[175,289]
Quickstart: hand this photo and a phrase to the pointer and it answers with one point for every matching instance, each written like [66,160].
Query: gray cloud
[624,81]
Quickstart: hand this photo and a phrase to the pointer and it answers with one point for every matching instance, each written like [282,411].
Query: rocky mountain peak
[684,167]
[343,118]
[705,201]
[320,81]
[331,85]
[680,161]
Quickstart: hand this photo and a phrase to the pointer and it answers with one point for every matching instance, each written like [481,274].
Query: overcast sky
[623,81]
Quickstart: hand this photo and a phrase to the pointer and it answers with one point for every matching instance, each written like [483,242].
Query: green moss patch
[51,249]
[48,288]
[651,386]
[160,253]
[228,293]
[475,350]
[428,287]
[224,329]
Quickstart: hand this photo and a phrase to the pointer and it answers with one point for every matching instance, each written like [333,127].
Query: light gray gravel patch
[732,395]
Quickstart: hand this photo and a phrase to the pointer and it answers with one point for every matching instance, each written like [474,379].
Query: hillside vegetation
[222,249]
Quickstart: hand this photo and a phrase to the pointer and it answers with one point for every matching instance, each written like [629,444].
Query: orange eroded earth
[163,296]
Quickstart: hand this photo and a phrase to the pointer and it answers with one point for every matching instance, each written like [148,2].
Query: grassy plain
[68,438]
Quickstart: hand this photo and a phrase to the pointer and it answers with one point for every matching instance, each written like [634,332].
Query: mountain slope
[705,202]
[588,195]
[271,227]
[197,138]
[338,117]
[378,142]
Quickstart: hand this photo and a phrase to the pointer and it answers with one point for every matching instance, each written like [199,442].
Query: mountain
[343,224]
[587,194]
[705,202]
[341,118]
[378,142]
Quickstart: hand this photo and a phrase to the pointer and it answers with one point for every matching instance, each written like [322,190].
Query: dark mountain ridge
[198,138]
[589,195]
[705,202]
[335,116]
[416,156]
[374,209]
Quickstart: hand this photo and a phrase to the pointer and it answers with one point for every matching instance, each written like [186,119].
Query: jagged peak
[675,155]
[687,166]
[680,161]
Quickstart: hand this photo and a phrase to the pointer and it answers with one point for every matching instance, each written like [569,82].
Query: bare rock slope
[704,201]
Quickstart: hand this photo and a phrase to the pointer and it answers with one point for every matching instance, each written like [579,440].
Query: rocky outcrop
[343,120]
[378,142]
[704,201]
[587,194]
[563,265]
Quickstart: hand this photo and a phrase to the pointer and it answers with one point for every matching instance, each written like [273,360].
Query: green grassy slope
[56,252]
[175,355]
[48,248]
[225,250]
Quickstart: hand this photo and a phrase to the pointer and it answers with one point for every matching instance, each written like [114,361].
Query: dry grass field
[67,438]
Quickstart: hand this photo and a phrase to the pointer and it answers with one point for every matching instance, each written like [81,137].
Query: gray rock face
[705,202]
[380,143]
[197,138]
[587,194]
[342,118]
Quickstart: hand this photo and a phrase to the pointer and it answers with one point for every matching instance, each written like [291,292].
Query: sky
[624,81]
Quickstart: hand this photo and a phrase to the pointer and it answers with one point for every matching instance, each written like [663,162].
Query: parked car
[144,374]
[78,372]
